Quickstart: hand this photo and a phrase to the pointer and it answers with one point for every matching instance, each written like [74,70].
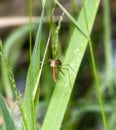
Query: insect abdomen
[54,74]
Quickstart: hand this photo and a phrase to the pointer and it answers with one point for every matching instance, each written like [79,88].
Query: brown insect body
[55,64]
[54,73]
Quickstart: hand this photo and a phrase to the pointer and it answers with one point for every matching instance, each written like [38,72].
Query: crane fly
[56,64]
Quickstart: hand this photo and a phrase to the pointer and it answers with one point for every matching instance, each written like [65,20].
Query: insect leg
[69,67]
[64,74]
[59,68]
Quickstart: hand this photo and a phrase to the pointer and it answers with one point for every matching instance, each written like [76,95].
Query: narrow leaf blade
[6,115]
[74,55]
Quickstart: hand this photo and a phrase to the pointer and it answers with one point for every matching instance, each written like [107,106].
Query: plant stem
[107,39]
[30,28]
[95,73]
[41,67]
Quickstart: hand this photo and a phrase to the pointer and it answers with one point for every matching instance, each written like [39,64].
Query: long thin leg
[69,67]
[61,71]
[64,74]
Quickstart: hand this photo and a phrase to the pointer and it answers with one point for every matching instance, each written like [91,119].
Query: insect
[55,64]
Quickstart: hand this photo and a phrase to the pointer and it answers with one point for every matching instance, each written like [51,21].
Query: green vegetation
[83,96]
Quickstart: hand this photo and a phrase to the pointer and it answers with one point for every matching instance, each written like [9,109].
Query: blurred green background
[83,112]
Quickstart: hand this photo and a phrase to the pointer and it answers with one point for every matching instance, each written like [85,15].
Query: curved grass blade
[15,41]
[9,124]
[74,55]
[12,46]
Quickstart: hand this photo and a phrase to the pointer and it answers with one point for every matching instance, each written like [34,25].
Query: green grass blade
[107,39]
[74,55]
[12,46]
[31,108]
[30,31]
[41,68]
[98,87]
[96,76]
[15,41]
[6,115]
[71,18]
[11,79]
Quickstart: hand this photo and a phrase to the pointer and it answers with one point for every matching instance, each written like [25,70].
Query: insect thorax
[55,63]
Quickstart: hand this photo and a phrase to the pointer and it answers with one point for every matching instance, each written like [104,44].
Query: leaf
[12,46]
[74,55]
[6,115]
[30,107]
[11,78]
